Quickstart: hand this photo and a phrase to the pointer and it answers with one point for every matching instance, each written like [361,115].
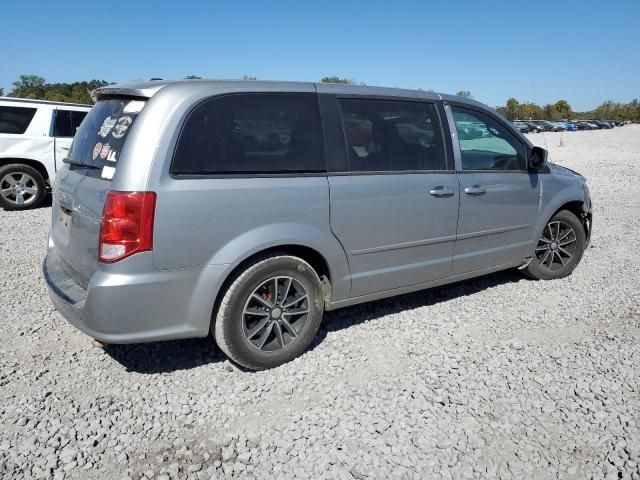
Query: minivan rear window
[102,134]
[15,120]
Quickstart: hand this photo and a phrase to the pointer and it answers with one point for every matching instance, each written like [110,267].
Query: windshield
[102,134]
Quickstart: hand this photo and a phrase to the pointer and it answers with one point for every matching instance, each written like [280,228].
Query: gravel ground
[495,377]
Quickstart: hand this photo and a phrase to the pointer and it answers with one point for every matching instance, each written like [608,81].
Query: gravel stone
[68,455]
[496,377]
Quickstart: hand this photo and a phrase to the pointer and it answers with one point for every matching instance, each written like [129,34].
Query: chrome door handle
[441,191]
[475,190]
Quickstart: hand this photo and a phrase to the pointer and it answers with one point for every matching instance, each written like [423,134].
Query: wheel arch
[310,255]
[39,166]
[573,205]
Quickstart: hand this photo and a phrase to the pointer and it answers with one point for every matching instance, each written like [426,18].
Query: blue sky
[583,51]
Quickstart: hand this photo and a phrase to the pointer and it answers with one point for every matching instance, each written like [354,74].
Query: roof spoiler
[137,89]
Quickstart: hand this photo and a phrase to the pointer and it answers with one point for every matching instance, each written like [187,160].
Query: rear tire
[560,248]
[270,313]
[21,187]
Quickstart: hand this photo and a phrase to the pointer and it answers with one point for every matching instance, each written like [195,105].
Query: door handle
[475,190]
[441,191]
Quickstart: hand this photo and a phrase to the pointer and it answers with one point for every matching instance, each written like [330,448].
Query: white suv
[35,136]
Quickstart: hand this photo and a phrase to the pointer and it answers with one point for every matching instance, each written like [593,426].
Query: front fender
[556,193]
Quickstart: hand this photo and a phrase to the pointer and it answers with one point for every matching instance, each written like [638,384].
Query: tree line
[561,109]
[514,110]
[36,87]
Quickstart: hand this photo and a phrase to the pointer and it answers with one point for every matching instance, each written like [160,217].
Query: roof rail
[48,102]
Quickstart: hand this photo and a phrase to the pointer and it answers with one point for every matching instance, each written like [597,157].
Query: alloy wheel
[557,246]
[275,313]
[18,188]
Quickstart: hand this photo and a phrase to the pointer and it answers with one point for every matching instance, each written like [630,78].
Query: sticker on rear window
[134,106]
[105,151]
[112,156]
[106,127]
[96,150]
[107,172]
[121,127]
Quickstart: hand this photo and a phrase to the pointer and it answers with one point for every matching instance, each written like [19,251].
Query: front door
[499,197]
[395,211]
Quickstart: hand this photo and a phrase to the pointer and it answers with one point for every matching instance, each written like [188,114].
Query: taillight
[127,225]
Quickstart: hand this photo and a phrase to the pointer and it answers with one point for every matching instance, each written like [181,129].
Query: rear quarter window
[67,122]
[15,120]
[251,133]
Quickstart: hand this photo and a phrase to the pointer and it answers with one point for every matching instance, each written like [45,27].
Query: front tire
[559,249]
[270,313]
[21,187]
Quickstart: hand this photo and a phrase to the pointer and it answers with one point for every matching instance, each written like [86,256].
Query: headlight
[587,197]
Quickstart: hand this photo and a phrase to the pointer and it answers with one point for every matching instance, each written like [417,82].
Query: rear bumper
[134,307]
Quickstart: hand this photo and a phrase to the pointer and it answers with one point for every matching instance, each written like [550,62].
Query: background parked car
[568,125]
[584,125]
[524,127]
[549,126]
[602,123]
[560,126]
[35,136]
[535,127]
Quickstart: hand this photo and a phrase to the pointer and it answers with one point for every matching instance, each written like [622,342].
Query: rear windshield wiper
[79,164]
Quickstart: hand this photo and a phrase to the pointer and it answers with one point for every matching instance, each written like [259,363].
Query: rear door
[81,186]
[65,125]
[499,197]
[395,208]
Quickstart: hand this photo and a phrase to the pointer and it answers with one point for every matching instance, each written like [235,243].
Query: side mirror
[538,158]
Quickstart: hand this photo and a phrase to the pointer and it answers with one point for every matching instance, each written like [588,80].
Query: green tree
[502,111]
[550,112]
[513,109]
[246,77]
[335,79]
[530,111]
[192,77]
[33,86]
[1,92]
[346,81]
[464,93]
[29,86]
[610,110]
[564,109]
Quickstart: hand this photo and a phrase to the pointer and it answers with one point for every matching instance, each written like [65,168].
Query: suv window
[15,120]
[485,144]
[390,135]
[252,133]
[67,122]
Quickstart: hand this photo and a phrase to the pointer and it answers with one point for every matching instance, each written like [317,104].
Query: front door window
[485,144]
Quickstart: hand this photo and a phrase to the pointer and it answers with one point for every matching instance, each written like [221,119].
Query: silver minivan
[248,208]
